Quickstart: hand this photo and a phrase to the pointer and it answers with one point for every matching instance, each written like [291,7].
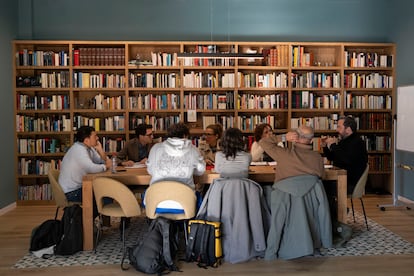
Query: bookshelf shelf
[129,82]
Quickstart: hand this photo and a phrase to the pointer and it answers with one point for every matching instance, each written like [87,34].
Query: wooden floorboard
[16,225]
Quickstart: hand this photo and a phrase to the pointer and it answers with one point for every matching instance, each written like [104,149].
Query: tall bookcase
[115,85]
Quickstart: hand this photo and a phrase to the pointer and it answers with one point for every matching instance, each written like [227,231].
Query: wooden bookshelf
[115,85]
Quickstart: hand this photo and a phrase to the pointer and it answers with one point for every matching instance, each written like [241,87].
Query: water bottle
[113,164]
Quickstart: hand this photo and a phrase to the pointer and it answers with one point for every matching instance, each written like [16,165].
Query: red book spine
[76,57]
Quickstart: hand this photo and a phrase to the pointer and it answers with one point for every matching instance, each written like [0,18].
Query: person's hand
[128,163]
[209,162]
[143,160]
[108,163]
[331,140]
[98,147]
[292,136]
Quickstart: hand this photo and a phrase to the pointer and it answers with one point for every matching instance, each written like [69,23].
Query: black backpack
[72,237]
[45,235]
[156,253]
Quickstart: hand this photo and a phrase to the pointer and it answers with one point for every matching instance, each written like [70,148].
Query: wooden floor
[16,225]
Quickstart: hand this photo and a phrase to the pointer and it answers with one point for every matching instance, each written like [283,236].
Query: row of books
[372,80]
[99,56]
[265,80]
[40,145]
[249,122]
[154,80]
[376,121]
[89,80]
[367,101]
[57,79]
[162,101]
[112,145]
[277,56]
[316,80]
[259,101]
[300,58]
[317,122]
[35,192]
[367,59]
[50,123]
[213,80]
[225,120]
[209,101]
[311,100]
[158,123]
[52,102]
[31,166]
[209,61]
[29,57]
[377,142]
[103,102]
[111,123]
[381,163]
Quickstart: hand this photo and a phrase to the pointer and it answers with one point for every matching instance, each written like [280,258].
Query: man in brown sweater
[298,160]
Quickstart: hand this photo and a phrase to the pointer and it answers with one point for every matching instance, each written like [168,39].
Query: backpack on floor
[72,229]
[45,236]
[156,253]
[204,243]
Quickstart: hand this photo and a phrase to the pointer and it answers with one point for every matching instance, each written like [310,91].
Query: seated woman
[233,160]
[237,202]
[258,154]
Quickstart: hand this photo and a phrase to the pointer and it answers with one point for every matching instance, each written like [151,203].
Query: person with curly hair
[233,160]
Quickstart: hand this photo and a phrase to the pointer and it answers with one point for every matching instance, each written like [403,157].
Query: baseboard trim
[7,208]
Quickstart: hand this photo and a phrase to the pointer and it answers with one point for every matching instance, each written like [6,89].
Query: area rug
[377,241]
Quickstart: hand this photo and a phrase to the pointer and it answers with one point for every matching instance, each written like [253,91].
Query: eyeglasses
[209,134]
[149,134]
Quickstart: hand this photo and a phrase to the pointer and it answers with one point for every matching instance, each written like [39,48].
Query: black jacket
[349,154]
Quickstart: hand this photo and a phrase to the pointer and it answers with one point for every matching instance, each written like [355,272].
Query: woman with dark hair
[258,154]
[233,160]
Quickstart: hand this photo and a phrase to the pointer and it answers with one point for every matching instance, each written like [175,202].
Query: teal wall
[236,20]
[8,32]
[211,20]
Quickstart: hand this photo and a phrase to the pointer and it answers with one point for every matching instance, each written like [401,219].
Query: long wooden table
[140,176]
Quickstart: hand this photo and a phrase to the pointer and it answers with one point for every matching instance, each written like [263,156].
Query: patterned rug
[377,241]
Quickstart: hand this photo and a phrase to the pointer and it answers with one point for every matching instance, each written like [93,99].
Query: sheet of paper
[136,165]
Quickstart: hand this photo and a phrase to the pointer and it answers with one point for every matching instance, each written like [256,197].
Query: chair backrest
[170,190]
[58,194]
[108,187]
[360,186]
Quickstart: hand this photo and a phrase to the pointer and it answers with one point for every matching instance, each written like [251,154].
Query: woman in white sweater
[258,154]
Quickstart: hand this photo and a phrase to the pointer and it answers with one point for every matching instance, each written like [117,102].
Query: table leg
[87,215]
[342,197]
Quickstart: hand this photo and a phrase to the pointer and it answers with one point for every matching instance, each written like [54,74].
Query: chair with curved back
[57,191]
[358,192]
[124,204]
[172,200]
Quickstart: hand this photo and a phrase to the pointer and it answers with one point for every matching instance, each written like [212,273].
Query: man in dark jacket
[348,151]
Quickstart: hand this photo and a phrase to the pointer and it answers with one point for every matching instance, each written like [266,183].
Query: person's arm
[100,151]
[92,161]
[200,164]
[122,155]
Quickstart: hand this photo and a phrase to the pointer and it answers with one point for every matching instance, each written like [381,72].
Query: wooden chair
[124,204]
[172,200]
[358,192]
[57,191]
